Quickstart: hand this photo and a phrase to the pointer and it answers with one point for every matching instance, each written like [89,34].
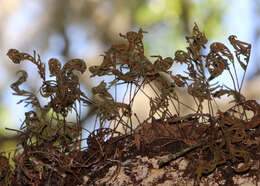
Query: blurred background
[67,29]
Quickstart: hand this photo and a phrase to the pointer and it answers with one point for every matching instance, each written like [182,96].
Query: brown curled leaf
[196,42]
[15,56]
[198,39]
[135,40]
[54,66]
[99,71]
[127,77]
[181,57]
[75,64]
[242,48]
[220,48]
[215,65]
[48,89]
[253,106]
[102,91]
[21,80]
[133,37]
[199,90]
[240,154]
[163,64]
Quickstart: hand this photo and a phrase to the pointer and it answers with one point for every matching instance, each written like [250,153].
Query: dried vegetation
[50,152]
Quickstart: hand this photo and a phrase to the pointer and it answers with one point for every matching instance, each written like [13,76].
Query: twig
[170,157]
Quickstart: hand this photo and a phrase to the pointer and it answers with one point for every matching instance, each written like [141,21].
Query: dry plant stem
[171,157]
[236,76]
[15,130]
